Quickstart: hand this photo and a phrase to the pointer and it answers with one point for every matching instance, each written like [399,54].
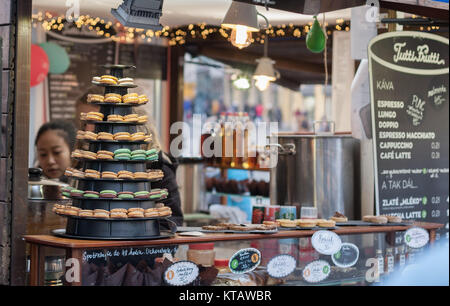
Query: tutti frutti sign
[409,74]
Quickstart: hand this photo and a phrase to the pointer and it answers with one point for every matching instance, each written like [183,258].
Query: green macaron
[135,152]
[123,150]
[152,157]
[122,156]
[151,151]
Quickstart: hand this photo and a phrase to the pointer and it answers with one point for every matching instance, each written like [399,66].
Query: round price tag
[416,237]
[181,273]
[316,271]
[347,256]
[281,266]
[244,260]
[326,242]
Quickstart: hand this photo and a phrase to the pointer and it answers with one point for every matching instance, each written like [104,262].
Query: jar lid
[202,246]
[221,262]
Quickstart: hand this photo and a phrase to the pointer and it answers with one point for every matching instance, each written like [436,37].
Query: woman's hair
[64,128]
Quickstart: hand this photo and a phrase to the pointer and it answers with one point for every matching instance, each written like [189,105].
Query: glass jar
[222,265]
[202,254]
[380,259]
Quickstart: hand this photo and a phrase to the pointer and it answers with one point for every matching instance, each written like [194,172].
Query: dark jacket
[168,165]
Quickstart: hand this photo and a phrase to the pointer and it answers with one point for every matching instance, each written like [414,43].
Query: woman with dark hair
[54,143]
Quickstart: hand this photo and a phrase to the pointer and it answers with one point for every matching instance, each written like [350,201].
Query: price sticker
[245,260]
[326,242]
[316,271]
[281,266]
[347,256]
[181,273]
[416,237]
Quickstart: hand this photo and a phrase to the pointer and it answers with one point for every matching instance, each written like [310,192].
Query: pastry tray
[162,235]
[116,104]
[364,223]
[116,141]
[82,159]
[113,219]
[240,232]
[116,85]
[113,122]
[315,228]
[117,199]
[116,180]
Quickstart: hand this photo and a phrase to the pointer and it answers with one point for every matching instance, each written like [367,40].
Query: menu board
[85,61]
[150,60]
[409,74]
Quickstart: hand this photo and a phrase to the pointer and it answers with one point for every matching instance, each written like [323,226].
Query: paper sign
[316,271]
[181,273]
[326,242]
[281,266]
[416,237]
[244,260]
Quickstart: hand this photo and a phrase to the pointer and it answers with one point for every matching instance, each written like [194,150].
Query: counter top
[54,241]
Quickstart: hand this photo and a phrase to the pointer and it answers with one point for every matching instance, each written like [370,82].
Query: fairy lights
[179,35]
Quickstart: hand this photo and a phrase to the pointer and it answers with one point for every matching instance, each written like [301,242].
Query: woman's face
[53,154]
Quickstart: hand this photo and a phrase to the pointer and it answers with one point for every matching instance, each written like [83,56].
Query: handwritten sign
[245,260]
[416,237]
[124,253]
[316,271]
[347,256]
[281,266]
[409,77]
[181,273]
[326,242]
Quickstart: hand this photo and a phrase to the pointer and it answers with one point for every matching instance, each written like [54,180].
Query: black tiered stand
[113,229]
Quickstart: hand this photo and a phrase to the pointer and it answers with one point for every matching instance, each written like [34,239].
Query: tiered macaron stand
[113,228]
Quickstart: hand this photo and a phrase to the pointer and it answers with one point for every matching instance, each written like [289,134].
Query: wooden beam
[250,58]
[21,117]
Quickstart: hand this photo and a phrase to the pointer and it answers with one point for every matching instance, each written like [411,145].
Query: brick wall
[7,31]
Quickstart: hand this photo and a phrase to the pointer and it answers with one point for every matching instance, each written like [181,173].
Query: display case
[347,255]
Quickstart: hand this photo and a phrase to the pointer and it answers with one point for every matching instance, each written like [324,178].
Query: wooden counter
[75,247]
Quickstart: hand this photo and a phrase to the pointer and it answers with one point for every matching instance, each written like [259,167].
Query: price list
[409,73]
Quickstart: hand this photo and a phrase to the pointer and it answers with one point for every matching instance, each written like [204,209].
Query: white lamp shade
[241,14]
[265,68]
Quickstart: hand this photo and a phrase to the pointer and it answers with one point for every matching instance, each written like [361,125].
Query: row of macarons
[97,116]
[112,80]
[119,154]
[136,212]
[131,98]
[152,174]
[119,136]
[154,194]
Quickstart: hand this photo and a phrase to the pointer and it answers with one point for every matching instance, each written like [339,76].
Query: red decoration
[39,65]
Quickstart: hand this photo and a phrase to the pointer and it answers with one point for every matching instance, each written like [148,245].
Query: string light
[179,35]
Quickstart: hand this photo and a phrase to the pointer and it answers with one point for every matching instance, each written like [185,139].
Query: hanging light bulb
[265,73]
[240,37]
[242,19]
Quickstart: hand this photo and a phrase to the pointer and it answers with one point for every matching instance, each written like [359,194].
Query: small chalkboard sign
[409,74]
[245,260]
[347,256]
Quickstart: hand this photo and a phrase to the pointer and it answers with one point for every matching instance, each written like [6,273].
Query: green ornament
[315,39]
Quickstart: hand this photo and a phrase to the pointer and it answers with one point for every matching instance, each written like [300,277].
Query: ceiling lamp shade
[242,18]
[265,73]
[143,14]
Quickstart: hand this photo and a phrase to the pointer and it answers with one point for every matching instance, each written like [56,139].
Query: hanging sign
[316,271]
[281,266]
[347,256]
[181,273]
[245,260]
[416,237]
[409,77]
[326,242]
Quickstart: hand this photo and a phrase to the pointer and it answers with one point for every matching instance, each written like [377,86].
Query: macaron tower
[98,195]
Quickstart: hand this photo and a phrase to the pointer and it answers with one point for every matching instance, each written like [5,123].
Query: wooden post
[20,148]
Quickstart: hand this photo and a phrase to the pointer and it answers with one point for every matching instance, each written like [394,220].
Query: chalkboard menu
[85,61]
[409,74]
[150,60]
